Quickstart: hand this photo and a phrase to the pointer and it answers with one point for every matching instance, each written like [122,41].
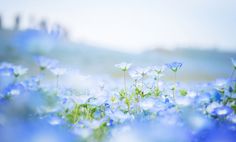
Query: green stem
[175,78]
[232,74]
[175,86]
[124,82]
[158,78]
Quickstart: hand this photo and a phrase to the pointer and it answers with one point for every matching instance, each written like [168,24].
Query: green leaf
[183,92]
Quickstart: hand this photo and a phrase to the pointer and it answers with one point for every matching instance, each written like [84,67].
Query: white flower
[135,75]
[210,108]
[147,104]
[158,70]
[183,101]
[19,70]
[46,63]
[58,71]
[123,66]
[142,71]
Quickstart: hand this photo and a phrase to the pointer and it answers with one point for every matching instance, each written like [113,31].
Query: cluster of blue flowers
[57,104]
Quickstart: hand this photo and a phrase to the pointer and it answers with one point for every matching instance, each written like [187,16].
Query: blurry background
[94,35]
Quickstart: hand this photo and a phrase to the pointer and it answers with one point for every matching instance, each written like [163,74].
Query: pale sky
[135,25]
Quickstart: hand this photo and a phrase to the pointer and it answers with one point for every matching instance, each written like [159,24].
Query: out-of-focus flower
[211,107]
[147,104]
[220,83]
[32,83]
[232,118]
[183,101]
[142,71]
[233,62]
[222,111]
[58,71]
[123,66]
[55,120]
[6,71]
[19,70]
[46,63]
[135,75]
[174,66]
[158,69]
[203,98]
[14,90]
[6,65]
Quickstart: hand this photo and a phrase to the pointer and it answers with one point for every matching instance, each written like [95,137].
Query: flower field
[51,102]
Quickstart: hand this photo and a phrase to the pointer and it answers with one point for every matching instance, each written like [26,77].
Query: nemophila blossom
[54,120]
[158,70]
[183,101]
[123,66]
[32,83]
[6,71]
[19,70]
[192,94]
[221,83]
[94,113]
[147,104]
[211,107]
[46,63]
[203,99]
[14,90]
[232,118]
[174,66]
[222,111]
[58,71]
[142,71]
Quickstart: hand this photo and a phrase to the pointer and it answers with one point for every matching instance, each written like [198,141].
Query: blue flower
[14,90]
[174,66]
[222,111]
[17,70]
[216,96]
[6,71]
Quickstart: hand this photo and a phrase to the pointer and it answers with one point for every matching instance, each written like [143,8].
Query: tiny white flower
[58,71]
[123,66]
[158,70]
[142,71]
[46,63]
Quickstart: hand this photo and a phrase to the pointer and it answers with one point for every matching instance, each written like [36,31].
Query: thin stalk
[232,74]
[231,78]
[175,78]
[57,81]
[124,82]
[175,85]
[158,78]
